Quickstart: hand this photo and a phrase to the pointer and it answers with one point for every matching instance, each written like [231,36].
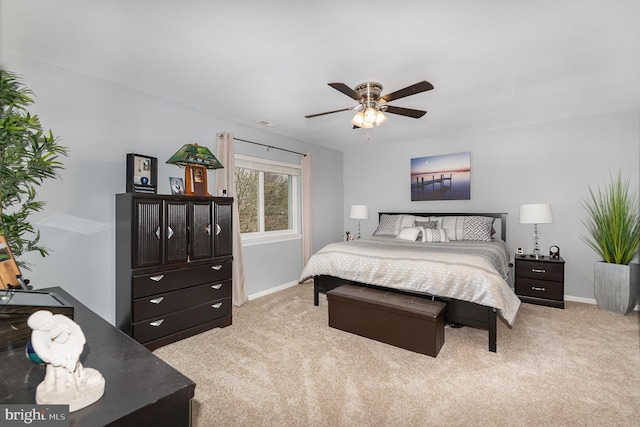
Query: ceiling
[494,63]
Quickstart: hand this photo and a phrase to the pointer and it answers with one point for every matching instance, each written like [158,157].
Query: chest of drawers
[173,266]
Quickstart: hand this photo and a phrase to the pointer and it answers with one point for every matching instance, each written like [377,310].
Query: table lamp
[536,213]
[359,212]
[196,159]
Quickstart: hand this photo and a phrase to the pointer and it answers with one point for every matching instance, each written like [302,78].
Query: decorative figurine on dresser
[173,266]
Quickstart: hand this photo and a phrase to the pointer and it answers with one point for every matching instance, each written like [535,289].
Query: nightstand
[540,281]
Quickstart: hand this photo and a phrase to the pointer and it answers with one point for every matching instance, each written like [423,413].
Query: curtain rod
[219,135]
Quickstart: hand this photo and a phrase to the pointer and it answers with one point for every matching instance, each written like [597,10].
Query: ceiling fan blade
[329,112]
[422,86]
[409,112]
[346,90]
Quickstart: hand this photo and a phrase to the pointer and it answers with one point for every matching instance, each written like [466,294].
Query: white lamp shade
[359,212]
[536,213]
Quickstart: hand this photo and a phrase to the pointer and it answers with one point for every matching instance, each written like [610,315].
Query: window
[268,198]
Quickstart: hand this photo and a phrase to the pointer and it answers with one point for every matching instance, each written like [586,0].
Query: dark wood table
[140,388]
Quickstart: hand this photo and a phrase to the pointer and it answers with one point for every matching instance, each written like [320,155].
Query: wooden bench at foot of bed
[458,312]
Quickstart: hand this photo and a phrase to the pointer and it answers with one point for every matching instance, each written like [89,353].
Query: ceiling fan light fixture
[380,118]
[358,119]
[370,115]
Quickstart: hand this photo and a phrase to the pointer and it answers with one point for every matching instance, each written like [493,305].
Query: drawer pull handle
[157,278]
[535,288]
[158,233]
[217,305]
[216,287]
[216,267]
[157,323]
[208,229]
[218,229]
[537,270]
[169,233]
[156,300]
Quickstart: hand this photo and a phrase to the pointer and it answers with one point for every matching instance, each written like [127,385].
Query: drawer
[160,304]
[171,280]
[155,328]
[540,288]
[540,270]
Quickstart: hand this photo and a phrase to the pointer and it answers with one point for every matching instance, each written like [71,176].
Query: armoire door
[176,231]
[147,233]
[201,230]
[223,236]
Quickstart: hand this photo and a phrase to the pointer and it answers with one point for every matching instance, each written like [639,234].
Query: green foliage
[28,155]
[613,221]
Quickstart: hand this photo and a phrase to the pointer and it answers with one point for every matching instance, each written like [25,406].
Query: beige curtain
[307,227]
[225,179]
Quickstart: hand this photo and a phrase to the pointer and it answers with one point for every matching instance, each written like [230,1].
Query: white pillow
[409,233]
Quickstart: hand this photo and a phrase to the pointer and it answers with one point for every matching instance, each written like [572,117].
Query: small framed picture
[142,174]
[177,185]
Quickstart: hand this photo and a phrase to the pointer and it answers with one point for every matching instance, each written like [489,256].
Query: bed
[459,258]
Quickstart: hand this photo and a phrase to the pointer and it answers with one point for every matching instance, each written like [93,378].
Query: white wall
[551,162]
[100,123]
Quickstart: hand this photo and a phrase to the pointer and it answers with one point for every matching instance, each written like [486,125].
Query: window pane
[247,195]
[276,201]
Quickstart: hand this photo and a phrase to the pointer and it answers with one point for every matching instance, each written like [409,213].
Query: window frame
[295,199]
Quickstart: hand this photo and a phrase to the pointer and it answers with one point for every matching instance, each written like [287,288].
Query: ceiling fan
[371,106]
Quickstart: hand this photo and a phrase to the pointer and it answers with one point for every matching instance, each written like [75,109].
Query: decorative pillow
[453,226]
[387,226]
[468,227]
[478,228]
[434,235]
[409,233]
[426,224]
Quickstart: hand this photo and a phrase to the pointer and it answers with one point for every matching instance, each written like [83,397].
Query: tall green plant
[613,221]
[28,155]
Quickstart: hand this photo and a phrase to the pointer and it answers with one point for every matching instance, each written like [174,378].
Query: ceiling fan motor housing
[369,91]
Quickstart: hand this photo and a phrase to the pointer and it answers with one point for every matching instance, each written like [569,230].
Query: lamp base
[195,178]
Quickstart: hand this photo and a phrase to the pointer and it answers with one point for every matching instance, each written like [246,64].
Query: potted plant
[613,225]
[28,155]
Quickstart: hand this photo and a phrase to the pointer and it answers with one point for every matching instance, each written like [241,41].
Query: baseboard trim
[580,299]
[589,301]
[271,290]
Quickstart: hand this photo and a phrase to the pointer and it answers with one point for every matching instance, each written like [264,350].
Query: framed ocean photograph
[444,177]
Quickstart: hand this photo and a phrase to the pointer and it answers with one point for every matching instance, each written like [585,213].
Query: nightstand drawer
[540,270]
[540,289]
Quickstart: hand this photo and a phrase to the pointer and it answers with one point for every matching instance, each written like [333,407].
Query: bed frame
[458,312]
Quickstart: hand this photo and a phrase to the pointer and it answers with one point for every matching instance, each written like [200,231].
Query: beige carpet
[279,364]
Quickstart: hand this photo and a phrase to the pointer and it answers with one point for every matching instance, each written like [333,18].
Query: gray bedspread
[465,270]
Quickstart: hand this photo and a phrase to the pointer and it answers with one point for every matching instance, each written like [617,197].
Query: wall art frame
[441,177]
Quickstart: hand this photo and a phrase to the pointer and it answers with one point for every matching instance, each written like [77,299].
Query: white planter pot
[617,286]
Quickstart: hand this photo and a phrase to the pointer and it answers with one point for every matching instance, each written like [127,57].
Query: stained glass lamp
[196,159]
